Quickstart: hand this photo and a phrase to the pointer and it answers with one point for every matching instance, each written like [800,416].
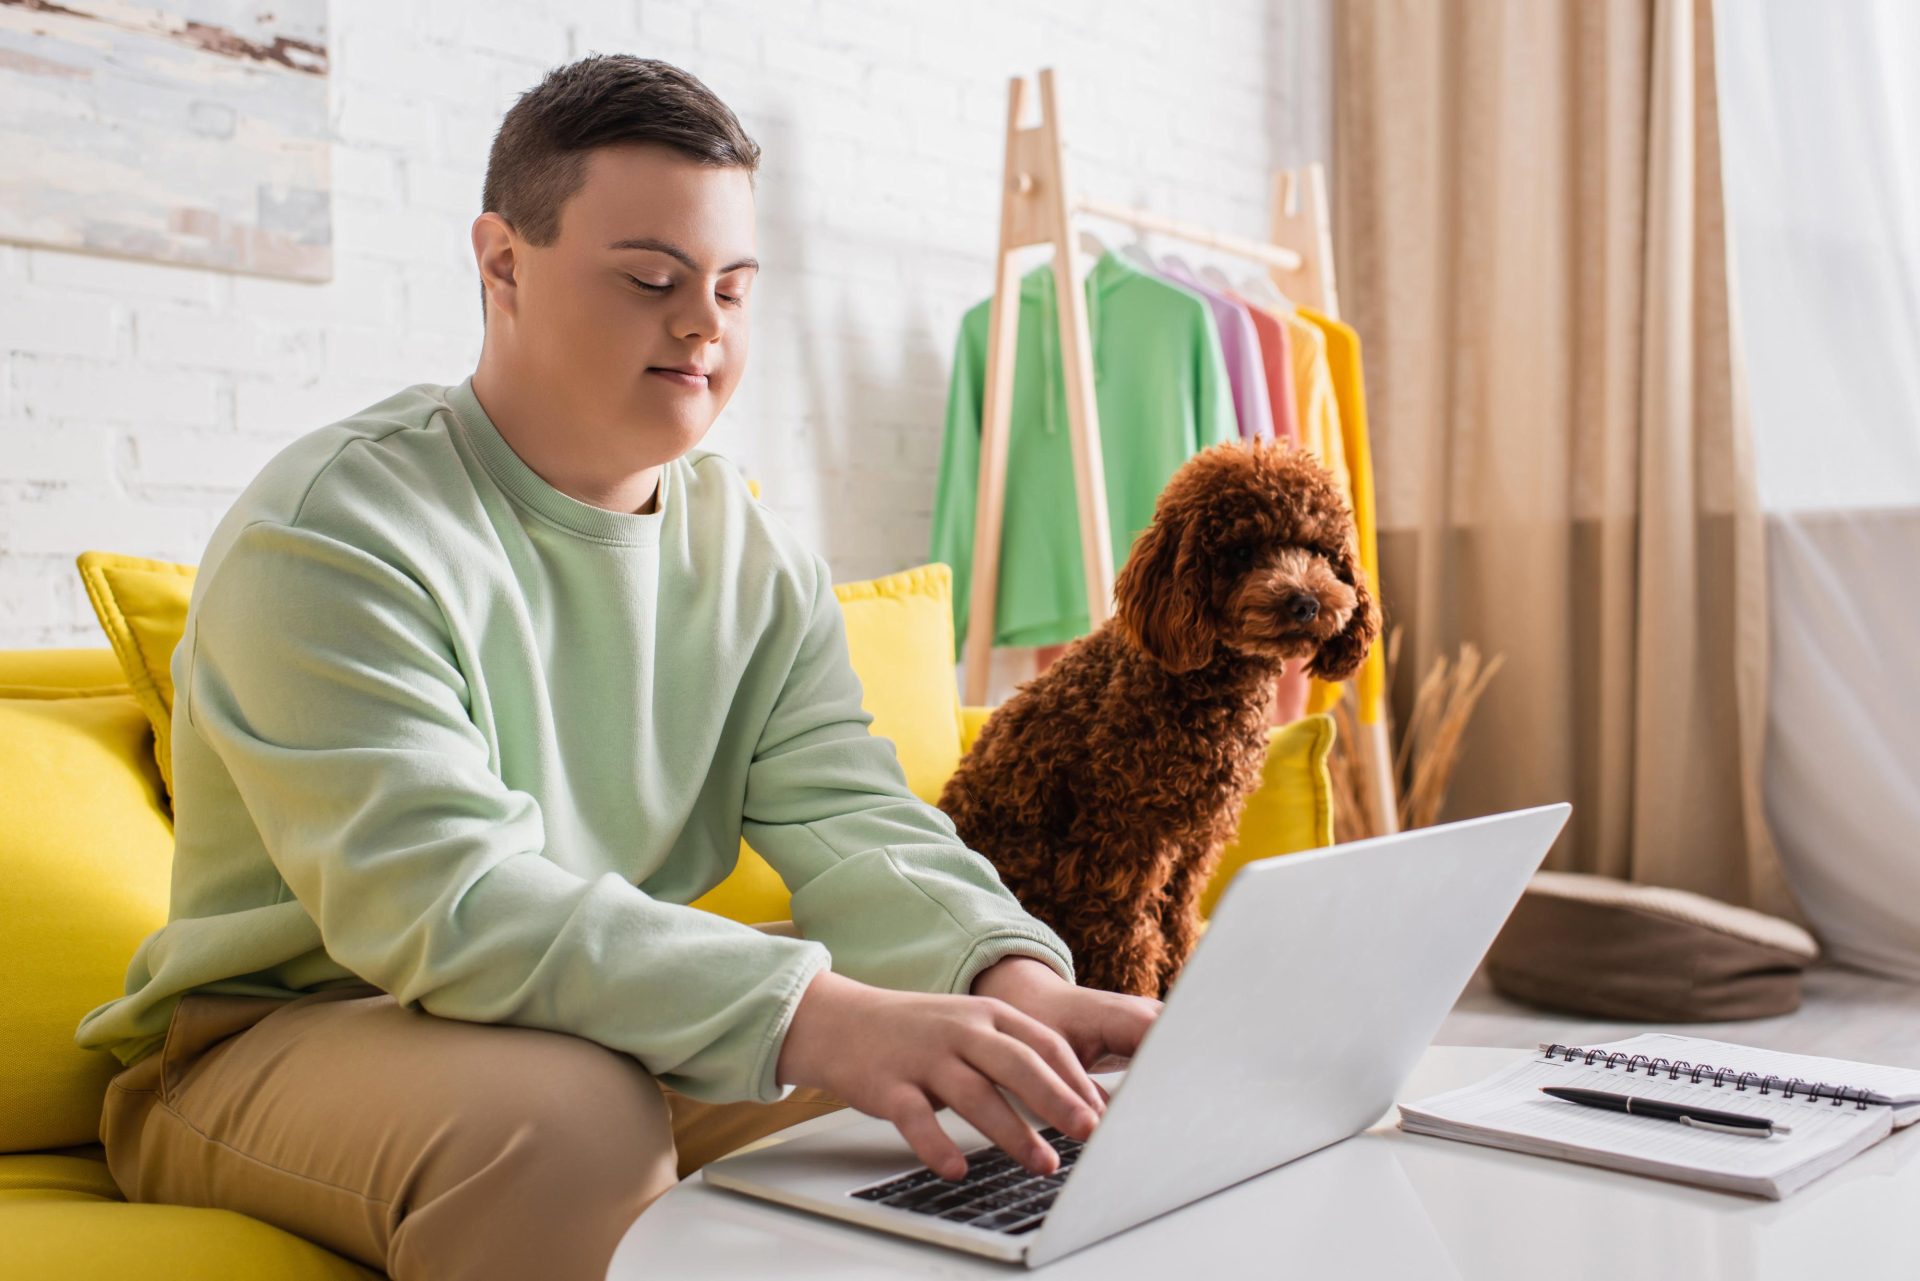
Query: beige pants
[414,1144]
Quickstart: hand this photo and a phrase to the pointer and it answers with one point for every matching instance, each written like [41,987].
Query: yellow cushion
[62,1216]
[142,604]
[86,851]
[46,1174]
[1291,811]
[900,641]
[1293,808]
[900,644]
[60,673]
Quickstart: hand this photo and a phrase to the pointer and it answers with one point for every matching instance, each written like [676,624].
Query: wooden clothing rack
[1037,207]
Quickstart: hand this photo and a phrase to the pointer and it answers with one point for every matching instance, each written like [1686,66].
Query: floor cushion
[1605,948]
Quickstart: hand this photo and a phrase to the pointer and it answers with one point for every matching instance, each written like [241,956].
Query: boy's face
[591,323]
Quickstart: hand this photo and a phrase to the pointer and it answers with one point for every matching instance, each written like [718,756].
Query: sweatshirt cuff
[766,1088]
[1002,944]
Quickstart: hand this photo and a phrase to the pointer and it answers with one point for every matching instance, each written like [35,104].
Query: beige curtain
[1530,240]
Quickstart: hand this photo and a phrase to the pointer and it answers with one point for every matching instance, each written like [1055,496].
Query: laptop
[1320,980]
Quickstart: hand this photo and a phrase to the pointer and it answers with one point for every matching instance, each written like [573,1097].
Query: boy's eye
[660,289]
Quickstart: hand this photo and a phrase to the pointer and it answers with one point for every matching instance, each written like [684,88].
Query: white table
[1383,1204]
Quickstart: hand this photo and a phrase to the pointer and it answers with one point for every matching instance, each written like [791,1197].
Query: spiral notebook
[1835,1109]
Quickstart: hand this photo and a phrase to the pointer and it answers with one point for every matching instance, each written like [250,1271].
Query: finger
[1056,1054]
[975,1097]
[1010,1061]
[931,1143]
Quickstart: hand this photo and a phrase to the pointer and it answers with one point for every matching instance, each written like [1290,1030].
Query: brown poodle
[1106,787]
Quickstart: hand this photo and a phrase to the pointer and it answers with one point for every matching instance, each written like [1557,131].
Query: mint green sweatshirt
[443,728]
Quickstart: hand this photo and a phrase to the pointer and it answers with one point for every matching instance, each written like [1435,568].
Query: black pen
[1756,1127]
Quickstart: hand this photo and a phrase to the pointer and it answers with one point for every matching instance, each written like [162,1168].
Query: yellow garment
[1318,406]
[1349,385]
[1317,403]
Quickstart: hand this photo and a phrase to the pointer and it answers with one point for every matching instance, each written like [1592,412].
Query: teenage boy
[479,688]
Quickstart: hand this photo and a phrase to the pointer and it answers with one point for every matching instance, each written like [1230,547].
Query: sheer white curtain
[1820,126]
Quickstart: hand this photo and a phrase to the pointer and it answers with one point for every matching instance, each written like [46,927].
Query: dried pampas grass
[1429,743]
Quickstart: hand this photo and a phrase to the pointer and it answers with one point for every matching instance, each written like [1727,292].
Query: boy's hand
[903,1055]
[1104,1028]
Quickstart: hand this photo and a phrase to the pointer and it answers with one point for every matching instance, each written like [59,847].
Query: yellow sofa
[85,853]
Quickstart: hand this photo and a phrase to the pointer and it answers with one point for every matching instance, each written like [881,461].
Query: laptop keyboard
[997,1192]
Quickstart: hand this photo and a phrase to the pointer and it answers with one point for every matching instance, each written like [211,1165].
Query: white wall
[137,399]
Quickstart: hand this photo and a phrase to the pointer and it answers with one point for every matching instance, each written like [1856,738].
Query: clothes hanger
[1212,275]
[1260,288]
[1174,262]
[1093,251]
[1135,251]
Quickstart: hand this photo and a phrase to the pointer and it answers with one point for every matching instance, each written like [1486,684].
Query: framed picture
[192,132]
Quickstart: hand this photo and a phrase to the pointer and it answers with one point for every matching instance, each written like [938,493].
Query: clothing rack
[1037,207]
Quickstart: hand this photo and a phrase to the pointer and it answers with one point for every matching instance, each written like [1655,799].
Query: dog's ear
[1341,654]
[1157,599]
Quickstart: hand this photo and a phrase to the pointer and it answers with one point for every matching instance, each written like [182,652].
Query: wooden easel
[1036,208]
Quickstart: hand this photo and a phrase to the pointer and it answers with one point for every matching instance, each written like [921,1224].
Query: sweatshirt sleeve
[326,680]
[878,875]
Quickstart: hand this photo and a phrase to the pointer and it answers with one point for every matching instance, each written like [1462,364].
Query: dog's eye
[1243,554]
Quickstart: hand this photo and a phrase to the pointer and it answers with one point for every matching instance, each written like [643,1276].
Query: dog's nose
[1303,606]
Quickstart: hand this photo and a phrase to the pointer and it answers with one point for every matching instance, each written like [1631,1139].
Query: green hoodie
[1160,382]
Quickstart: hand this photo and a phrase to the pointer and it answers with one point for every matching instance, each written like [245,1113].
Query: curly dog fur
[1106,787]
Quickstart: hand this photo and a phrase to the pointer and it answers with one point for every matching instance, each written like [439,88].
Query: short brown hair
[539,155]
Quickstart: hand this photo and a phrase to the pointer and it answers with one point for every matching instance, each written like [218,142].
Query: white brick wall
[136,399]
